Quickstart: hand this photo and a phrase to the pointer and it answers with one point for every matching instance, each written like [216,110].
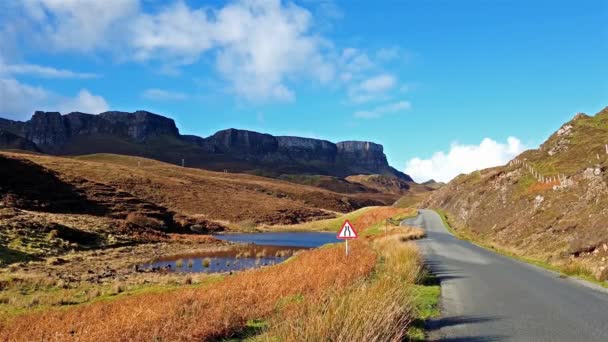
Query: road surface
[489,297]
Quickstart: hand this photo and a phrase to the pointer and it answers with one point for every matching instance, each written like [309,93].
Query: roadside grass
[426,298]
[392,223]
[328,225]
[226,305]
[382,307]
[573,269]
[411,199]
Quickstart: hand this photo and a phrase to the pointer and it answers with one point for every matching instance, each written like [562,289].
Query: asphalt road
[489,297]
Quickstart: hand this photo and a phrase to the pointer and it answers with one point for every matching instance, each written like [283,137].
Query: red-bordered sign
[347,232]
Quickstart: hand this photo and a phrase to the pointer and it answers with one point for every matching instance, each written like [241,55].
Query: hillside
[549,203]
[106,199]
[149,135]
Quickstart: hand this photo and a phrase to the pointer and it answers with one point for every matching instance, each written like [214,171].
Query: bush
[144,221]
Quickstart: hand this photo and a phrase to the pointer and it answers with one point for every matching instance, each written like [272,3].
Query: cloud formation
[163,95]
[261,48]
[461,158]
[42,71]
[379,111]
[18,100]
[373,88]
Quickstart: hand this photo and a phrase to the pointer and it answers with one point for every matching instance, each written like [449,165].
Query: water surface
[295,239]
[260,249]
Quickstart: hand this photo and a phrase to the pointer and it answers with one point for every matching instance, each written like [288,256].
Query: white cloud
[384,109]
[378,83]
[262,44]
[373,88]
[260,48]
[78,25]
[258,45]
[18,100]
[163,95]
[83,102]
[176,32]
[42,71]
[463,159]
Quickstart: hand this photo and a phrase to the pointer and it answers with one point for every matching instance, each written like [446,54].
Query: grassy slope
[508,209]
[214,195]
[565,270]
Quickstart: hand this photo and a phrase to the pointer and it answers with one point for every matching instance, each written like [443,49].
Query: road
[489,297]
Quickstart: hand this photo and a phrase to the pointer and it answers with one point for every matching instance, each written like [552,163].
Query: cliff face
[147,134]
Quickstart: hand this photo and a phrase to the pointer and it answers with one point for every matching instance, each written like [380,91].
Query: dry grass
[215,195]
[380,309]
[381,214]
[211,311]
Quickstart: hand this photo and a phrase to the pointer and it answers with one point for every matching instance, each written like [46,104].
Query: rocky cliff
[146,134]
[550,203]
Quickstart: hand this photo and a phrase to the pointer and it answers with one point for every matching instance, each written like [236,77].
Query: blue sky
[445,86]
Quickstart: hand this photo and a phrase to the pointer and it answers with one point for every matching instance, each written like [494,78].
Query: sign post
[347,232]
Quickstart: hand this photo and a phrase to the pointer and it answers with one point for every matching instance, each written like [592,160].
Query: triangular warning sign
[347,231]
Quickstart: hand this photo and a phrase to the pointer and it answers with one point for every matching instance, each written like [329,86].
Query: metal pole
[346,247]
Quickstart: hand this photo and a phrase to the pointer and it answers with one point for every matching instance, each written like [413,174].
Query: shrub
[179,263]
[144,221]
[206,262]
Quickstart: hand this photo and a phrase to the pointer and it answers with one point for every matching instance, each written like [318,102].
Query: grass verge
[391,305]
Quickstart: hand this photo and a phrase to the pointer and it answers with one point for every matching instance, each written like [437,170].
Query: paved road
[488,297]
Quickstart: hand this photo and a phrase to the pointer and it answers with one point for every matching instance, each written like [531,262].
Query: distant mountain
[433,184]
[550,203]
[153,136]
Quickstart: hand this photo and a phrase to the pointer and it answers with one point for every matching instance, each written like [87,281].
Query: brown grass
[214,195]
[379,309]
[215,310]
[379,214]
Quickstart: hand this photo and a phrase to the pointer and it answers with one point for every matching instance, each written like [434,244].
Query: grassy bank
[391,305]
[369,219]
[382,293]
[572,270]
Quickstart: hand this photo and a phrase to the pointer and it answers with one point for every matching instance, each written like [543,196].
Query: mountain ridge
[142,133]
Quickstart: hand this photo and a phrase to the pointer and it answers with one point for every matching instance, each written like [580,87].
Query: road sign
[347,232]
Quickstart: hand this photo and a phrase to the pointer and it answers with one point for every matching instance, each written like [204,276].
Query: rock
[538,201]
[605,247]
[564,130]
[601,273]
[53,133]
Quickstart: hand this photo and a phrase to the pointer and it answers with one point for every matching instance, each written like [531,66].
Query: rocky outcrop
[307,149]
[9,140]
[362,155]
[151,135]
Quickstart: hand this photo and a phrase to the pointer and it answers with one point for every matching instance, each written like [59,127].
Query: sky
[446,86]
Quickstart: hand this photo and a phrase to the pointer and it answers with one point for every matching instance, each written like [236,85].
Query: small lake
[260,249]
[295,239]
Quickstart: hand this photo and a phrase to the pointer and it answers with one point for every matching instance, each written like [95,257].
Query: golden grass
[361,219]
[211,311]
[380,309]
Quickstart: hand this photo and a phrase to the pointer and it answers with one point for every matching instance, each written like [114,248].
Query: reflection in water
[298,239]
[240,258]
